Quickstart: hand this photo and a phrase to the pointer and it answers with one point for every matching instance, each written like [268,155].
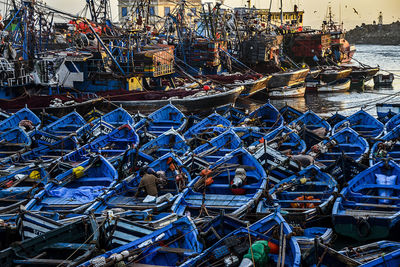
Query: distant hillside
[374,34]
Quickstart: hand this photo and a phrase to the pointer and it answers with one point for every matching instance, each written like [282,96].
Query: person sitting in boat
[238,181]
[149,183]
[26,125]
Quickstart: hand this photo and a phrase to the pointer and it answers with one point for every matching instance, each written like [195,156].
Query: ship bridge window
[166,10]
[152,13]
[301,18]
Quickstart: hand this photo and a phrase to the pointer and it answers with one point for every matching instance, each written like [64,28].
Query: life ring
[363,228]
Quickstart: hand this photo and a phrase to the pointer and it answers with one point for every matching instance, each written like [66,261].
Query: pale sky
[368,10]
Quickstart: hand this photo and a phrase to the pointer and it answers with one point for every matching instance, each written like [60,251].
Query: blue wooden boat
[76,188]
[169,246]
[289,113]
[162,120]
[303,197]
[235,247]
[233,114]
[104,125]
[14,141]
[344,168]
[304,237]
[212,230]
[363,123]
[285,140]
[40,138]
[266,117]
[248,135]
[14,120]
[368,208]
[169,141]
[45,152]
[132,160]
[113,144]
[204,129]
[71,245]
[235,184]
[381,253]
[391,124]
[386,111]
[387,146]
[277,165]
[66,125]
[335,118]
[18,186]
[345,142]
[218,147]
[312,122]
[124,195]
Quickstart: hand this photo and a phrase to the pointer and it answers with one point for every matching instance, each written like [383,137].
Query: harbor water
[386,57]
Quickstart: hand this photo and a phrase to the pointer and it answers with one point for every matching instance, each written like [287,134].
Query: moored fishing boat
[114,143]
[266,117]
[303,196]
[256,242]
[187,101]
[381,253]
[368,207]
[362,74]
[304,237]
[129,195]
[31,121]
[333,74]
[66,125]
[162,120]
[234,183]
[335,118]
[284,140]
[205,127]
[104,124]
[363,123]
[391,124]
[288,78]
[75,189]
[252,83]
[218,147]
[345,142]
[284,92]
[311,128]
[290,113]
[168,246]
[169,141]
[387,146]
[382,80]
[71,244]
[14,141]
[338,86]
[386,111]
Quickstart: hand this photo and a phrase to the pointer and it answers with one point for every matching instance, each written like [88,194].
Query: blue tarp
[82,193]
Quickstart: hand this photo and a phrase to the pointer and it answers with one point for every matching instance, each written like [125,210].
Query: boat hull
[342,85]
[187,105]
[288,78]
[287,92]
[255,87]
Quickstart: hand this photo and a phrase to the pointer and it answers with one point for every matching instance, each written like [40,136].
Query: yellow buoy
[34,175]
[78,172]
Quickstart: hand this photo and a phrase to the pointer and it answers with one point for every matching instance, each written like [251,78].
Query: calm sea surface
[388,59]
